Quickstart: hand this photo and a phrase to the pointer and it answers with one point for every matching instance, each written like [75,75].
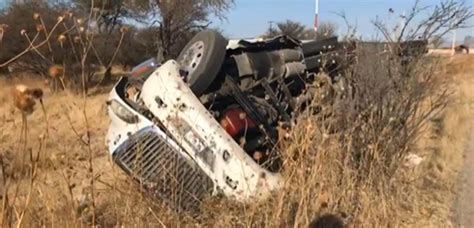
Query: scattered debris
[413,160]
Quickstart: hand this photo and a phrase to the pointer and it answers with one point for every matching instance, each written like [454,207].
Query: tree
[109,12]
[447,16]
[179,20]
[437,41]
[176,20]
[38,36]
[326,30]
[300,31]
[469,41]
[293,29]
[20,27]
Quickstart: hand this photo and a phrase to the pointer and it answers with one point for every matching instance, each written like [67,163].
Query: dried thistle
[60,19]
[67,15]
[39,27]
[24,98]
[2,30]
[79,21]
[61,38]
[36,93]
[124,29]
[81,29]
[77,39]
[36,16]
[23,32]
[56,71]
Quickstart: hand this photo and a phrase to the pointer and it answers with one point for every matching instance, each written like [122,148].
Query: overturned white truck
[208,122]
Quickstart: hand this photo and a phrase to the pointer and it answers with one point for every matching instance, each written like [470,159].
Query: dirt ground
[463,208]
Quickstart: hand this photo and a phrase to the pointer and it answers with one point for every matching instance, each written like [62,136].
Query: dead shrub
[40,36]
[23,20]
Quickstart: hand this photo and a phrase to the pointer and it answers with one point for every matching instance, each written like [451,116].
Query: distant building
[469,41]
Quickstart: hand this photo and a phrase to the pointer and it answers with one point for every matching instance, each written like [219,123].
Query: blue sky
[250,18]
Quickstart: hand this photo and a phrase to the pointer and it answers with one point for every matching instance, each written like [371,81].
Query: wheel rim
[191,59]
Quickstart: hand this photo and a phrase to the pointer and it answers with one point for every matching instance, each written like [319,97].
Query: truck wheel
[202,58]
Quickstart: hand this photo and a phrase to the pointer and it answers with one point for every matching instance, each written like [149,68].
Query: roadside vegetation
[375,153]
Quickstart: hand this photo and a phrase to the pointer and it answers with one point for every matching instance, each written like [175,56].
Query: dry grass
[63,159]
[442,146]
[319,175]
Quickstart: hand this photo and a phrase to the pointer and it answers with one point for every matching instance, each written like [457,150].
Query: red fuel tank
[235,121]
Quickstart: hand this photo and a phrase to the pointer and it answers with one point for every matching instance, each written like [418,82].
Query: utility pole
[316,16]
[453,46]
[271,24]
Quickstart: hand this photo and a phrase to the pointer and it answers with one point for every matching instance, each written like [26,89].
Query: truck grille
[163,172]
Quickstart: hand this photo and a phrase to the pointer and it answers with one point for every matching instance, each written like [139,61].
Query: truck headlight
[122,112]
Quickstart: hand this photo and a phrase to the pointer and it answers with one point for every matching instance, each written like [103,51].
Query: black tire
[210,62]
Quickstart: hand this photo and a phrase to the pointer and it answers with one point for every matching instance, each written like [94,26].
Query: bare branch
[350,29]
[445,17]
[30,47]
